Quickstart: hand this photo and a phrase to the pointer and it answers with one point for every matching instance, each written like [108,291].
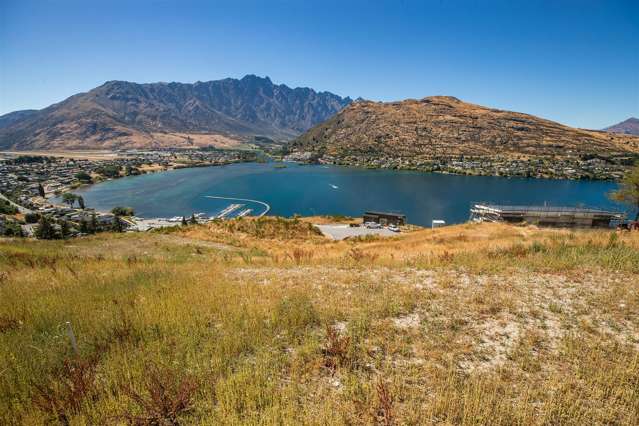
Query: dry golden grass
[267,323]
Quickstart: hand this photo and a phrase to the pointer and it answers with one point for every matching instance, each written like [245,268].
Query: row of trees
[49,229]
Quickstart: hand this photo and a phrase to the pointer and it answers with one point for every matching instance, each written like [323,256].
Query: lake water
[327,190]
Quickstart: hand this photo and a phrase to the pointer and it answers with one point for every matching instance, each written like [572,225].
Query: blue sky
[576,62]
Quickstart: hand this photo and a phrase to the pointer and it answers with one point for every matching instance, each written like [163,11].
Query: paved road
[340,232]
[21,209]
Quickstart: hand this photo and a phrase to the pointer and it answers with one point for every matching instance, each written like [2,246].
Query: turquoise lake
[333,190]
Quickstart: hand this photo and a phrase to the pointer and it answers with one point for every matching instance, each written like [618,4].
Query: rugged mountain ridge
[628,127]
[122,114]
[440,126]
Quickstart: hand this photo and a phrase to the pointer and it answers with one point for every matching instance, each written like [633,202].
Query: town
[595,168]
[29,182]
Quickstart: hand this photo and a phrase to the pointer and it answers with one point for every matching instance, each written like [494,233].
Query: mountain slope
[121,114]
[628,127]
[445,127]
[15,116]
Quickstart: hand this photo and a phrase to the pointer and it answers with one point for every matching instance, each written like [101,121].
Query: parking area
[340,231]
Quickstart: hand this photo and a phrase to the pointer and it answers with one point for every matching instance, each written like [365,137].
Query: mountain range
[443,126]
[628,127]
[122,114]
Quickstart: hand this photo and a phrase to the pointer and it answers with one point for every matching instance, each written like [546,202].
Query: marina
[228,210]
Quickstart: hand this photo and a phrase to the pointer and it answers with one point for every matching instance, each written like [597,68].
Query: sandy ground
[340,231]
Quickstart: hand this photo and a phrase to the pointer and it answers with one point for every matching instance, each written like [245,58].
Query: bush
[32,217]
[6,208]
[83,177]
[12,229]
[45,229]
[109,171]
[122,211]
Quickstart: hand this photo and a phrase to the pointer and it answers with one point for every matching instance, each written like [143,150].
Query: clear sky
[576,62]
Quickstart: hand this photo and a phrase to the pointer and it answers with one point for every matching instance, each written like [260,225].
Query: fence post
[74,343]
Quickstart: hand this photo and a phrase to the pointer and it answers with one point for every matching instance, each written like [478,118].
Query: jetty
[266,206]
[550,216]
[228,210]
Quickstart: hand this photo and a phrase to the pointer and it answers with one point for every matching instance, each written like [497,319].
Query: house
[385,218]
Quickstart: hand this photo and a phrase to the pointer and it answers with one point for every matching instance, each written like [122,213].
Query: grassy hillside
[442,126]
[265,322]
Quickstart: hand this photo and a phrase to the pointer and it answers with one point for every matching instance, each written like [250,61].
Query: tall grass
[174,333]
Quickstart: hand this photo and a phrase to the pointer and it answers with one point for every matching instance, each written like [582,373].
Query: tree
[184,221]
[80,201]
[12,229]
[193,220]
[93,225]
[117,225]
[41,190]
[83,177]
[45,230]
[65,229]
[628,192]
[84,227]
[31,217]
[122,211]
[7,208]
[111,171]
[69,198]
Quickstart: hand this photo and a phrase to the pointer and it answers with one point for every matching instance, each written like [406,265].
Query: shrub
[32,217]
[165,399]
[83,177]
[12,229]
[336,348]
[111,171]
[122,211]
[6,208]
[65,393]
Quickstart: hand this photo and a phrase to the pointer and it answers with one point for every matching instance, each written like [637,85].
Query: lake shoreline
[309,190]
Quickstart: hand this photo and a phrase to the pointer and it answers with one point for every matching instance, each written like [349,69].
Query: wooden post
[74,343]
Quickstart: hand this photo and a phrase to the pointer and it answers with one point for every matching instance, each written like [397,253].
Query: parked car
[372,225]
[393,228]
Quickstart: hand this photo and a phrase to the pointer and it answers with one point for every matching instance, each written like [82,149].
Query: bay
[332,190]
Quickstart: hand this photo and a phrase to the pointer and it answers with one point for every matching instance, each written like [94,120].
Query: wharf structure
[563,217]
[385,218]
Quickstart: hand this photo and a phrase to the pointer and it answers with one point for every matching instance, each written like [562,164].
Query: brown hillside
[442,126]
[122,114]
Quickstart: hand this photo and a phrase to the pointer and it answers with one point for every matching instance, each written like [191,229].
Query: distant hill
[442,126]
[627,127]
[121,114]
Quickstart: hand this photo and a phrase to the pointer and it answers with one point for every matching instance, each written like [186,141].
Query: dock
[550,216]
[228,210]
[244,212]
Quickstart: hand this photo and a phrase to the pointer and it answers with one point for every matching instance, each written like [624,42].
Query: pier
[266,206]
[228,210]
